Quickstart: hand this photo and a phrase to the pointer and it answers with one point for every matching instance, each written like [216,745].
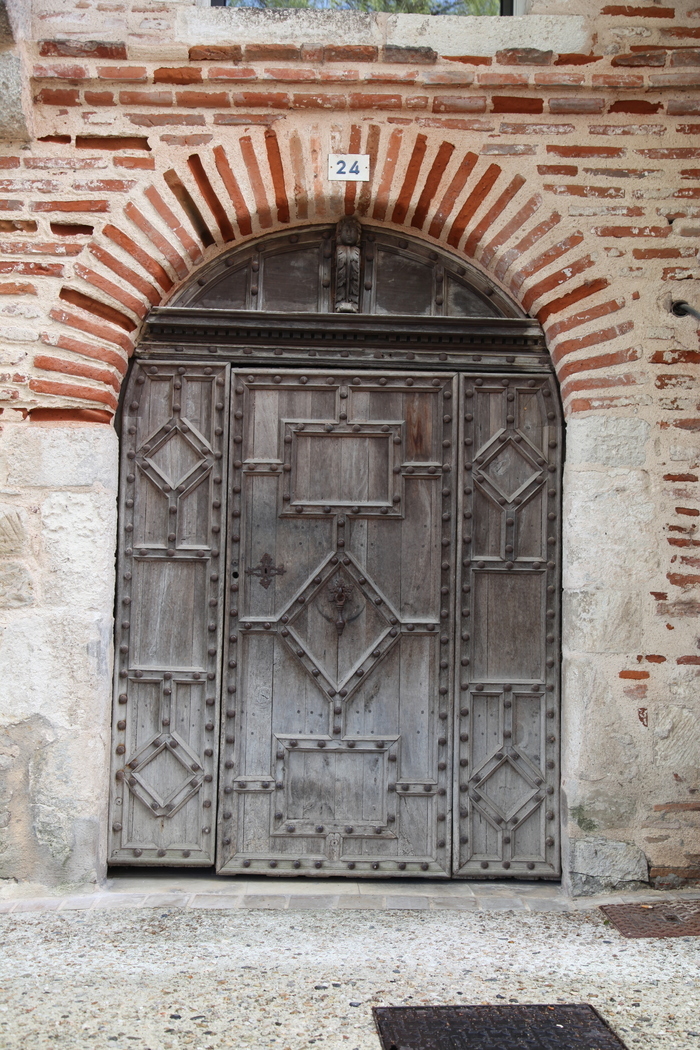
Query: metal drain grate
[520,1027]
[680,919]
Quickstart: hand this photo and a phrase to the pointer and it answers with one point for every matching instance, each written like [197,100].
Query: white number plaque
[348,167]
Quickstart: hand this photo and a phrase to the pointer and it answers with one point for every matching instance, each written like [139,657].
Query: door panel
[341,613]
[507,720]
[165,738]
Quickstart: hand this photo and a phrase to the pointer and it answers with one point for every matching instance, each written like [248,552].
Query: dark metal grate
[569,1027]
[677,919]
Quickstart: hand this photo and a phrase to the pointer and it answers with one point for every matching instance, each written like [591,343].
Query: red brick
[576,105]
[680,477]
[557,169]
[82,49]
[205,99]
[272,53]
[179,75]
[536,129]
[216,53]
[95,328]
[190,246]
[675,79]
[110,288]
[71,229]
[145,98]
[519,150]
[417,56]
[17,288]
[136,252]
[554,280]
[586,151]
[291,75]
[689,57]
[681,34]
[556,251]
[627,129]
[135,163]
[608,192]
[688,129]
[368,101]
[631,231]
[127,274]
[60,72]
[58,97]
[112,142]
[618,80]
[8,205]
[577,59]
[409,76]
[9,162]
[76,368]
[584,317]
[524,56]
[657,253]
[319,101]
[645,11]
[71,206]
[635,675]
[159,120]
[515,104]
[446,78]
[74,390]
[683,107]
[668,153]
[470,60]
[643,58]
[158,240]
[131,73]
[345,53]
[503,79]
[186,140]
[417,102]
[459,104]
[340,76]
[559,79]
[277,99]
[678,273]
[693,661]
[453,123]
[37,248]
[77,346]
[99,98]
[312,53]
[99,309]
[604,335]
[634,105]
[227,73]
[31,269]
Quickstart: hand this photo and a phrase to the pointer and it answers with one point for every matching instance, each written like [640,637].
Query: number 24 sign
[348,167]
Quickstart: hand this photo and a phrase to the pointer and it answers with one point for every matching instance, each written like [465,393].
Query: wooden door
[168,615]
[506,810]
[336,738]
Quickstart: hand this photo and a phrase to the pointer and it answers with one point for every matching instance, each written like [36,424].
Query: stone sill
[448,35]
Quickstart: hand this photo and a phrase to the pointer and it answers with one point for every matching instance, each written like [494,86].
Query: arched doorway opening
[337,615]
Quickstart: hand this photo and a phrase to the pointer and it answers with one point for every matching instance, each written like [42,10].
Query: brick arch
[262,180]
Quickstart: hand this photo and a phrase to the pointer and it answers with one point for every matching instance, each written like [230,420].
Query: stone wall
[557,151]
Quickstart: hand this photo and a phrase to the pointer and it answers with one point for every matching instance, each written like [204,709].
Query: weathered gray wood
[507,726]
[169,605]
[340,691]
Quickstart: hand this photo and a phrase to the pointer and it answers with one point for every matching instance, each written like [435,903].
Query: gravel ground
[270,980]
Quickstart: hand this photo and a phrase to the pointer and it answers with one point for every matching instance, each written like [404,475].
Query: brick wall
[572,179]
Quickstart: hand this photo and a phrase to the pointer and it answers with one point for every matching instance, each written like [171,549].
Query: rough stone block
[59,456]
[599,864]
[13,535]
[16,585]
[603,441]
[602,621]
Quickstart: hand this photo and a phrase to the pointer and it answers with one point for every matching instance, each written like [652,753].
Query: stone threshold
[192,891]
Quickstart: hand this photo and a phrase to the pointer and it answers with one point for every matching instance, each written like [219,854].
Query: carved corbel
[347,265]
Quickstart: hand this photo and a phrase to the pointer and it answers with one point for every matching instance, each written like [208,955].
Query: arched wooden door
[338,575]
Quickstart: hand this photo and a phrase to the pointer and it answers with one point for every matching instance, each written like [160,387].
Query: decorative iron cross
[266,570]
